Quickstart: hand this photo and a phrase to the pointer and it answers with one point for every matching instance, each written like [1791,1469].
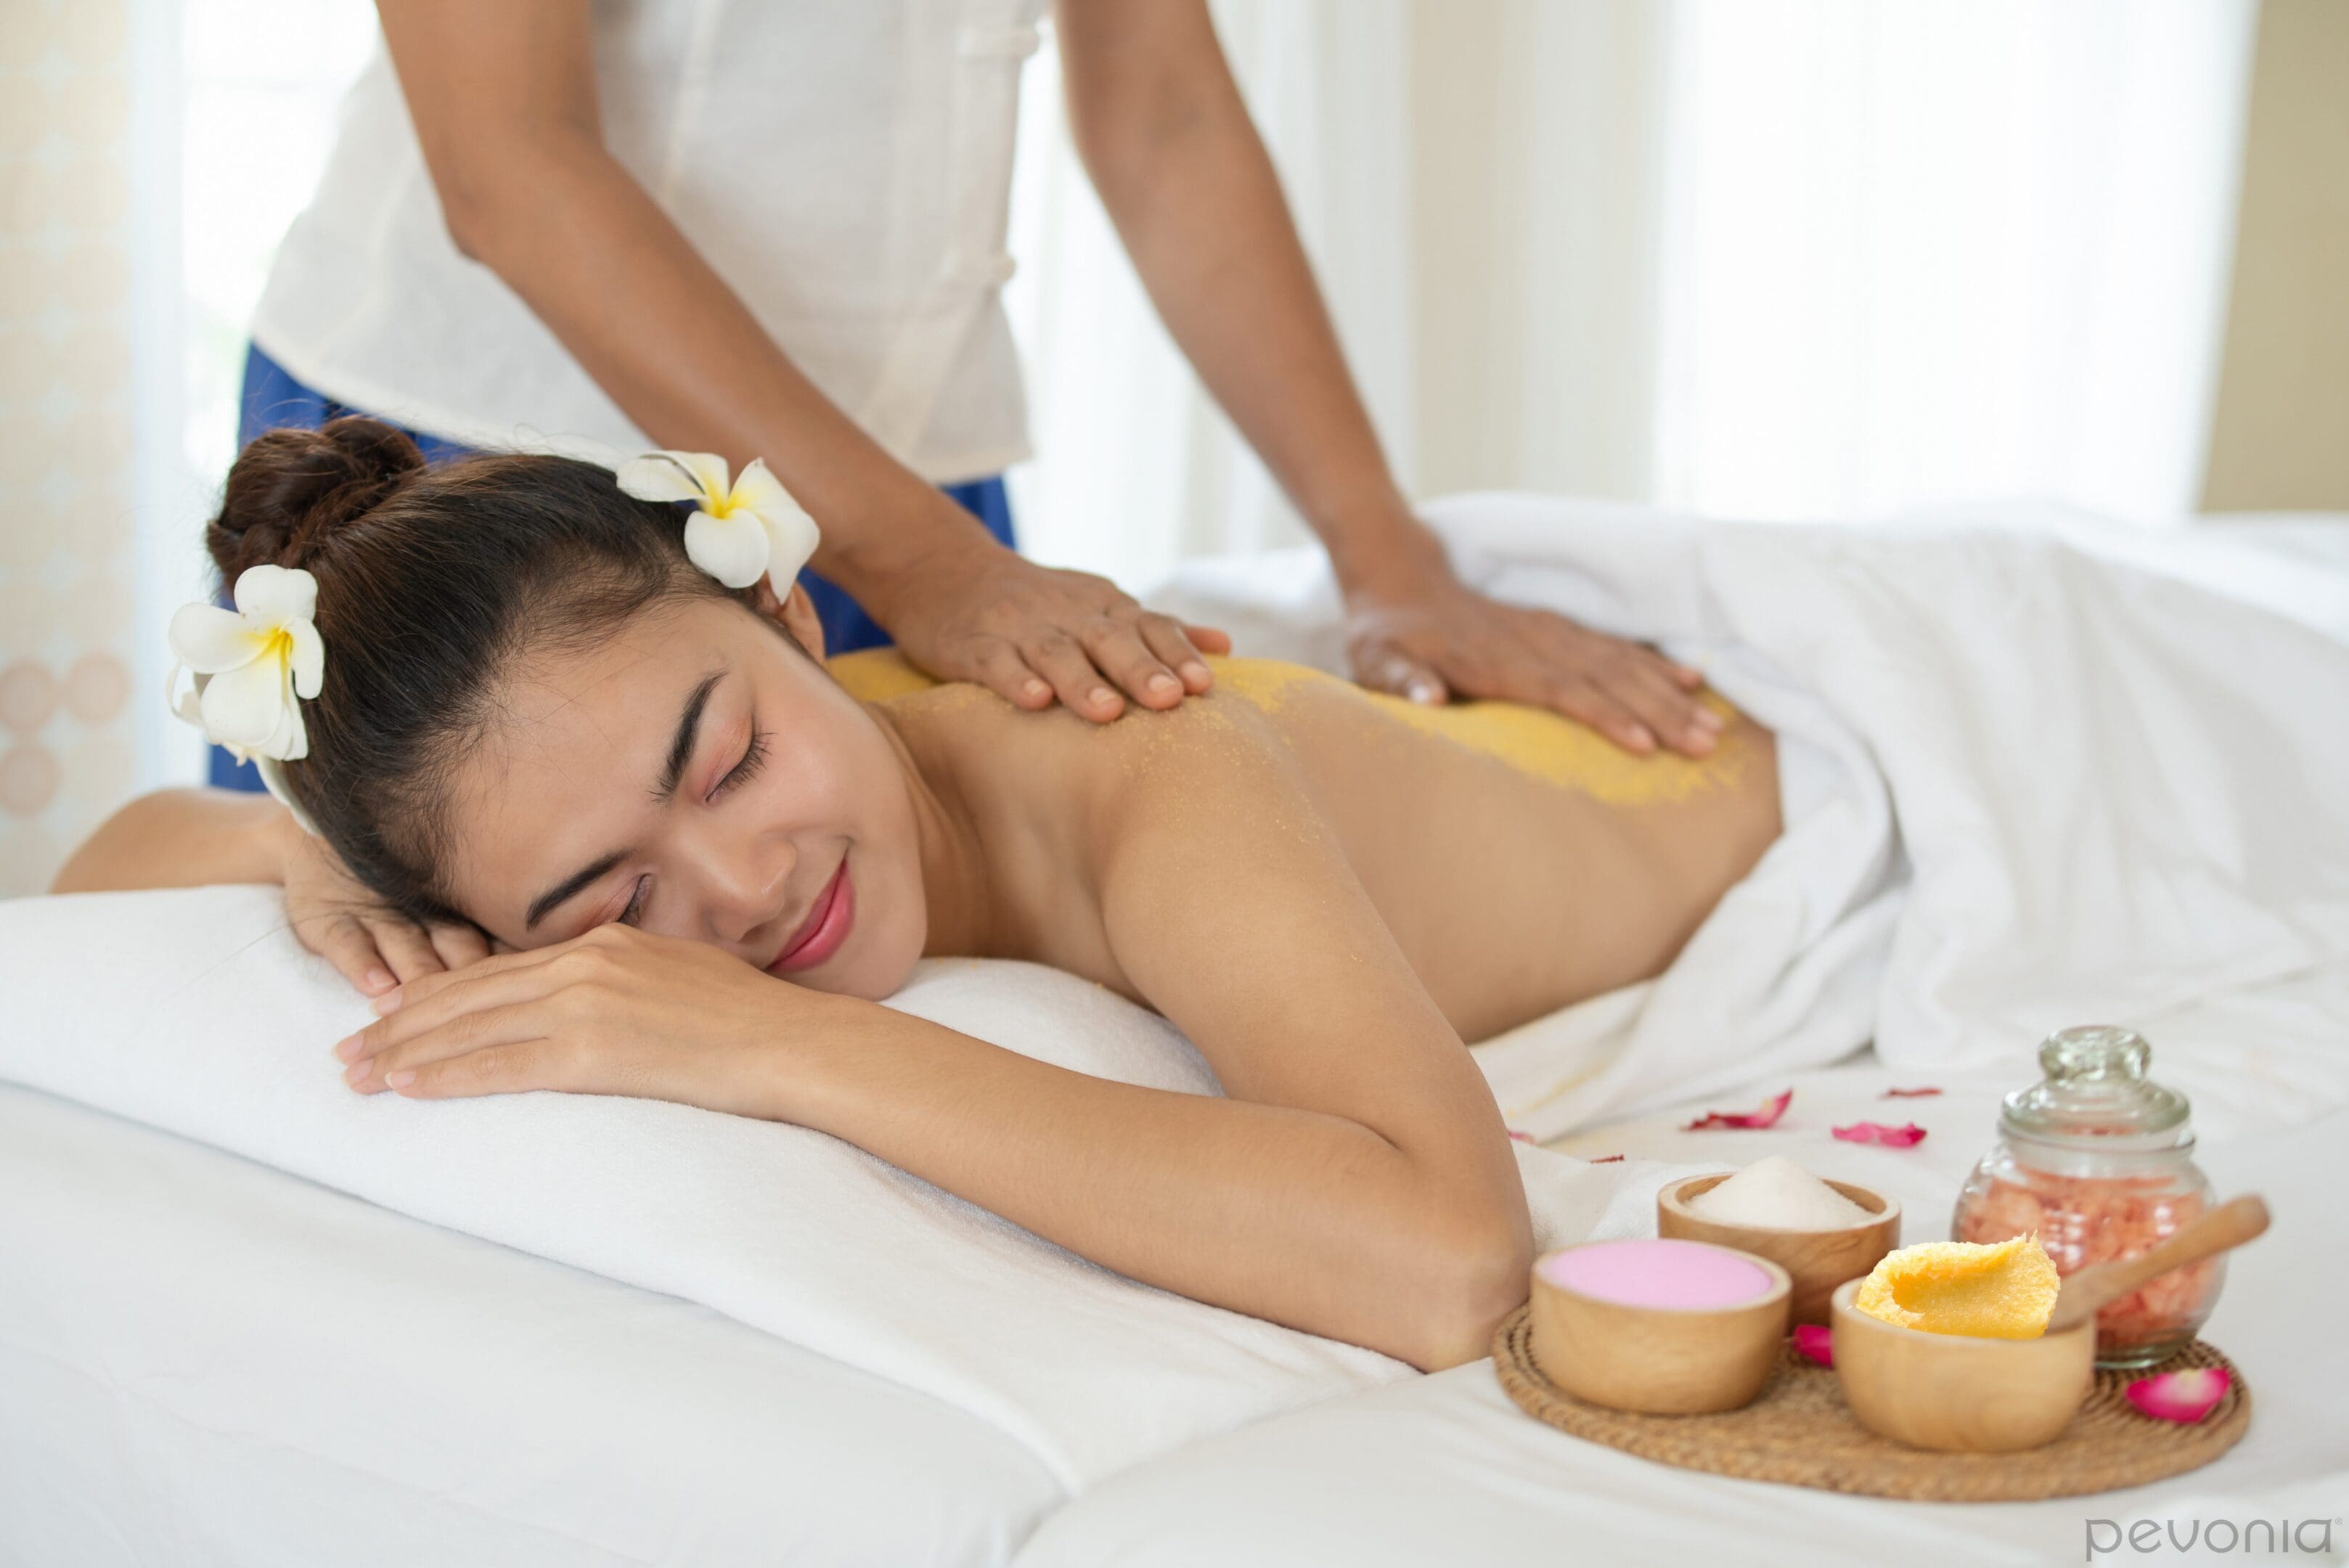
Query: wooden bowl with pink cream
[1660,1326]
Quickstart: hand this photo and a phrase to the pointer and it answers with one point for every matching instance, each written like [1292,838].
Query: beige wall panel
[67,756]
[2279,435]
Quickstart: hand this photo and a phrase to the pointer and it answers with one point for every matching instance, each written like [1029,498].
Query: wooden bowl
[1818,1260]
[1659,1360]
[1955,1393]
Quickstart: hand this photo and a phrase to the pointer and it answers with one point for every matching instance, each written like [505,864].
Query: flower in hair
[251,664]
[739,532]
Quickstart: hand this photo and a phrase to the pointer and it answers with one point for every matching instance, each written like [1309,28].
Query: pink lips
[826,928]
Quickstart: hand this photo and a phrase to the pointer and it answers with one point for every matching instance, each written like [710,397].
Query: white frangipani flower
[250,664]
[739,532]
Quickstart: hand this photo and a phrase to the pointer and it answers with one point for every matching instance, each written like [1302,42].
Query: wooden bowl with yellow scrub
[1990,1382]
[1958,1393]
[1661,1327]
[1817,1260]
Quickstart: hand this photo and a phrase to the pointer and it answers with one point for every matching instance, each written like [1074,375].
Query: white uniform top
[844,165]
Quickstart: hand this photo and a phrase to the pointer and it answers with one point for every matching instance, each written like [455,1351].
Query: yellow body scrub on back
[877,674]
[1535,742]
[2000,1290]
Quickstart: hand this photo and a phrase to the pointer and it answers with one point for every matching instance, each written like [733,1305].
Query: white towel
[196,1011]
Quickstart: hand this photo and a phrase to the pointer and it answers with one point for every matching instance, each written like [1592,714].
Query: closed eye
[754,757]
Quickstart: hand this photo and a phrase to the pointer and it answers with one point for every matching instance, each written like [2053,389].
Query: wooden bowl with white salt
[1821,1232]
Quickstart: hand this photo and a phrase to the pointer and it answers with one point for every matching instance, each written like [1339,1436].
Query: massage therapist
[775,228]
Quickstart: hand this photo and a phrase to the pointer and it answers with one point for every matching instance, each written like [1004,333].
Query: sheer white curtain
[1816,258]
[1927,251]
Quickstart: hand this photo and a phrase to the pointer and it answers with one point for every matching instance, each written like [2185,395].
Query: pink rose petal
[1772,1109]
[1604,1159]
[1815,1341]
[1878,1132]
[2185,1397]
[1909,1093]
[1521,1137]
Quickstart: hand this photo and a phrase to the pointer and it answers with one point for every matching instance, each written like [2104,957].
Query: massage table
[204,1359]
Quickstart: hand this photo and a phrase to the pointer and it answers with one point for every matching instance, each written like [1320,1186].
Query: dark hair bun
[291,488]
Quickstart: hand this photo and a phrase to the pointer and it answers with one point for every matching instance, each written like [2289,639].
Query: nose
[744,885]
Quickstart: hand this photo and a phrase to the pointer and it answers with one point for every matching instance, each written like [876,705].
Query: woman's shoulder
[1244,689]
[877,675]
[885,675]
[1234,731]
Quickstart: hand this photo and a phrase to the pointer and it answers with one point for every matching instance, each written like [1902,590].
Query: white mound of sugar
[1778,1193]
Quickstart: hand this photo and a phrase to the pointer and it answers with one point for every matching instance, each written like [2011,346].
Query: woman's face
[695,776]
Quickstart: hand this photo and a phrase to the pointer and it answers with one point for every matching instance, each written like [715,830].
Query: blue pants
[273,399]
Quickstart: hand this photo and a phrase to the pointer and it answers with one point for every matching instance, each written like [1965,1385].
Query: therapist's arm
[1168,142]
[504,103]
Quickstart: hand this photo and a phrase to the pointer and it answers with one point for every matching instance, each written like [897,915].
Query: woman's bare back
[1521,862]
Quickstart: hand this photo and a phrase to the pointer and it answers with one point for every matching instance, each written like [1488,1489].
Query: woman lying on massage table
[541,724]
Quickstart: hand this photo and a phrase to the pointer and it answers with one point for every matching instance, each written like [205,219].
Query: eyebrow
[569,888]
[680,752]
[680,746]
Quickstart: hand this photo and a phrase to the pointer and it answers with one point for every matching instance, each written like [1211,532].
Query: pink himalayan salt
[2085,1219]
[1657,1273]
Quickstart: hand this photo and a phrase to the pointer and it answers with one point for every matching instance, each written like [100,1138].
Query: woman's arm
[204,838]
[182,838]
[1304,1217]
[504,101]
[1169,145]
[1357,1182]
[1228,902]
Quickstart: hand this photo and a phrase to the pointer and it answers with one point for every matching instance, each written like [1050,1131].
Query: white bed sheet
[1445,1469]
[206,1361]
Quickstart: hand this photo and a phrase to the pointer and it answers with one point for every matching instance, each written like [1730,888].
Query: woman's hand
[1435,637]
[614,1012]
[337,917]
[1032,634]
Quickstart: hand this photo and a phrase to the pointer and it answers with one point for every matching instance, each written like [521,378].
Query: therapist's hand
[336,917]
[1035,635]
[1432,638]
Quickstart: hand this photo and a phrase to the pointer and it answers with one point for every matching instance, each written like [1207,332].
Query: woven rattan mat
[1800,1432]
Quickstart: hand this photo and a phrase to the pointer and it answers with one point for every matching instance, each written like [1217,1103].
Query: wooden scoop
[2099,1285]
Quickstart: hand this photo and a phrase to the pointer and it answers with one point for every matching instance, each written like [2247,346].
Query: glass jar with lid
[2099,1159]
